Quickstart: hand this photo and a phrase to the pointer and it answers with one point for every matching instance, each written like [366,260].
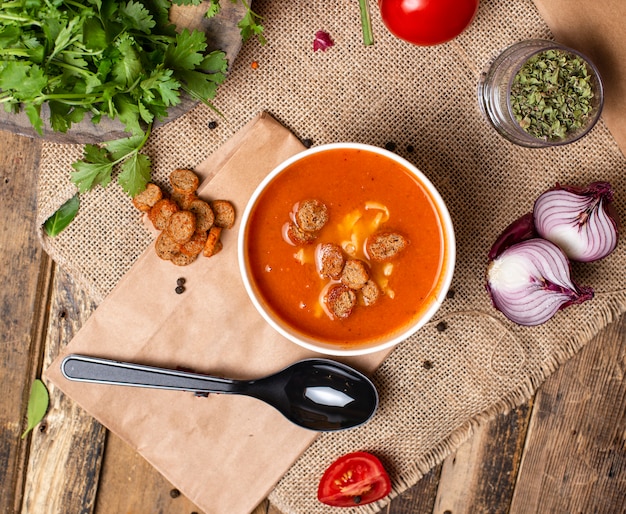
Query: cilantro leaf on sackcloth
[135,173]
[120,148]
[95,169]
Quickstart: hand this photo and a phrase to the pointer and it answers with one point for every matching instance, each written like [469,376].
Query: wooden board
[22,307]
[575,453]
[221,32]
[69,438]
[480,476]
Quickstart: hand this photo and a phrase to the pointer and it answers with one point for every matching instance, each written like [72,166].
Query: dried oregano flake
[551,94]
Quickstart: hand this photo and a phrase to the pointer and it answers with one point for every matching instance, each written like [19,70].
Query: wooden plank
[66,451]
[419,499]
[480,476]
[22,303]
[575,457]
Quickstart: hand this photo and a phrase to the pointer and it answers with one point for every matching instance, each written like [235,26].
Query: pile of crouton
[188,225]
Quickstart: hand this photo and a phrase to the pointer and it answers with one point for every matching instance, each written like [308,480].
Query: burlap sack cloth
[434,387]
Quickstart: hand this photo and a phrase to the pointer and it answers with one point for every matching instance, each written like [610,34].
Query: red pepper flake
[322,41]
[254,65]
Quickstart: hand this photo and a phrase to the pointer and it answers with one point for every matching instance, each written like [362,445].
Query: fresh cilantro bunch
[116,58]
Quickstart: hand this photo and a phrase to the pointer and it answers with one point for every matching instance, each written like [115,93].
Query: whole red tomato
[427,22]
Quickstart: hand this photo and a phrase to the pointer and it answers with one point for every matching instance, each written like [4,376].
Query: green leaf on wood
[56,223]
[37,405]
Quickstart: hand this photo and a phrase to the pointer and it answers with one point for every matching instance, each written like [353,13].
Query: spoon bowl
[316,394]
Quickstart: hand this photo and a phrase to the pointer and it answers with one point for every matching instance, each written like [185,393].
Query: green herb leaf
[187,53]
[137,16]
[249,26]
[13,74]
[215,62]
[34,116]
[127,69]
[128,113]
[135,174]
[160,85]
[62,116]
[95,168]
[119,149]
[59,221]
[214,8]
[199,85]
[98,162]
[37,405]
[94,35]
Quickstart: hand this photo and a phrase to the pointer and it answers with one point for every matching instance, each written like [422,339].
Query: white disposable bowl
[312,343]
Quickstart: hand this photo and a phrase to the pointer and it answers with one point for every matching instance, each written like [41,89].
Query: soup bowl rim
[310,342]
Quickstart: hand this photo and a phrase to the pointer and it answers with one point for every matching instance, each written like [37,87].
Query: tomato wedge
[355,479]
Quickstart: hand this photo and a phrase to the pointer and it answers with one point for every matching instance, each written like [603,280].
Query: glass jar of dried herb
[539,93]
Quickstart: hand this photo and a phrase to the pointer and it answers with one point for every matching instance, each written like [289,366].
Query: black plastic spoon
[318,394]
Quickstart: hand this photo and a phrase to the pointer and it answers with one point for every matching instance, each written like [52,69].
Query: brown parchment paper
[200,444]
[437,386]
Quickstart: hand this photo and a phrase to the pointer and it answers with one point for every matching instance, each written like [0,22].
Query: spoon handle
[102,371]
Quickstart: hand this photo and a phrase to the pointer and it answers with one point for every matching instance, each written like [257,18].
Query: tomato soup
[364,193]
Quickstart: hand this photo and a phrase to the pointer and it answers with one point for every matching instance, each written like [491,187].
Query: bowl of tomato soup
[346,249]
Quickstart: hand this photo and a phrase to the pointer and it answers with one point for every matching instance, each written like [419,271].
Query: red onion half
[580,221]
[530,281]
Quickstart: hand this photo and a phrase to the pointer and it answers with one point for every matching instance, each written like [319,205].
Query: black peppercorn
[212,125]
[441,326]
[308,143]
[179,289]
[180,282]
[410,148]
[174,493]
[427,365]
[391,146]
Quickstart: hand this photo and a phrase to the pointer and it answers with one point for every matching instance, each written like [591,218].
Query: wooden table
[562,451]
